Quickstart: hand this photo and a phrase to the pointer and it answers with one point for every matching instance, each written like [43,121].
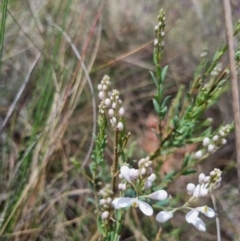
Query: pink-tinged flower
[123,202]
[192,217]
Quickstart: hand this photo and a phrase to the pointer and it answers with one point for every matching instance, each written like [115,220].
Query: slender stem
[217,218]
[115,159]
[234,84]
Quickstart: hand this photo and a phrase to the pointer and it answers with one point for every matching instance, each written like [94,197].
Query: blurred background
[47,97]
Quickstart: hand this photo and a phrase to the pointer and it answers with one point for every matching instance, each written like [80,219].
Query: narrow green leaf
[165,102]
[186,160]
[188,172]
[156,106]
[169,176]
[154,78]
[163,73]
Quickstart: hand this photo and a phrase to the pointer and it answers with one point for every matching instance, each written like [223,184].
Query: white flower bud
[155,42]
[152,177]
[124,186]
[120,186]
[198,154]
[162,34]
[100,87]
[206,179]
[206,141]
[221,132]
[143,171]
[104,214]
[215,138]
[147,184]
[120,126]
[156,28]
[109,200]
[102,201]
[201,178]
[101,95]
[120,176]
[212,173]
[121,111]
[223,141]
[107,102]
[114,120]
[111,112]
[114,105]
[211,148]
[104,87]
[190,188]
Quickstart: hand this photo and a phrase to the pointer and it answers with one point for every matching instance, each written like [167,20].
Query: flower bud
[198,154]
[101,95]
[107,102]
[111,112]
[104,214]
[120,126]
[121,111]
[206,141]
[152,177]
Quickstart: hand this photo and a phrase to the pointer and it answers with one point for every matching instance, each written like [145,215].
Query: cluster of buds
[159,31]
[111,104]
[146,172]
[204,52]
[105,201]
[143,174]
[215,142]
[205,185]
[217,69]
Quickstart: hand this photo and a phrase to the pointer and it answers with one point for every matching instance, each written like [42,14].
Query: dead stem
[234,84]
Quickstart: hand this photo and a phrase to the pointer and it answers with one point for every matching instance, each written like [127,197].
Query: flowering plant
[138,185]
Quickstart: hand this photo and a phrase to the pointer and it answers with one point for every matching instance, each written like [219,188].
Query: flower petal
[145,208]
[124,202]
[159,195]
[192,216]
[115,203]
[125,173]
[164,216]
[199,224]
[207,211]
[196,192]
[121,202]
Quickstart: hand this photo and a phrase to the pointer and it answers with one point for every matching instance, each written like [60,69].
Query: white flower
[123,202]
[159,195]
[164,216]
[192,217]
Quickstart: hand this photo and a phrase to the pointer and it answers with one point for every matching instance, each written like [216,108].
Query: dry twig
[234,84]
